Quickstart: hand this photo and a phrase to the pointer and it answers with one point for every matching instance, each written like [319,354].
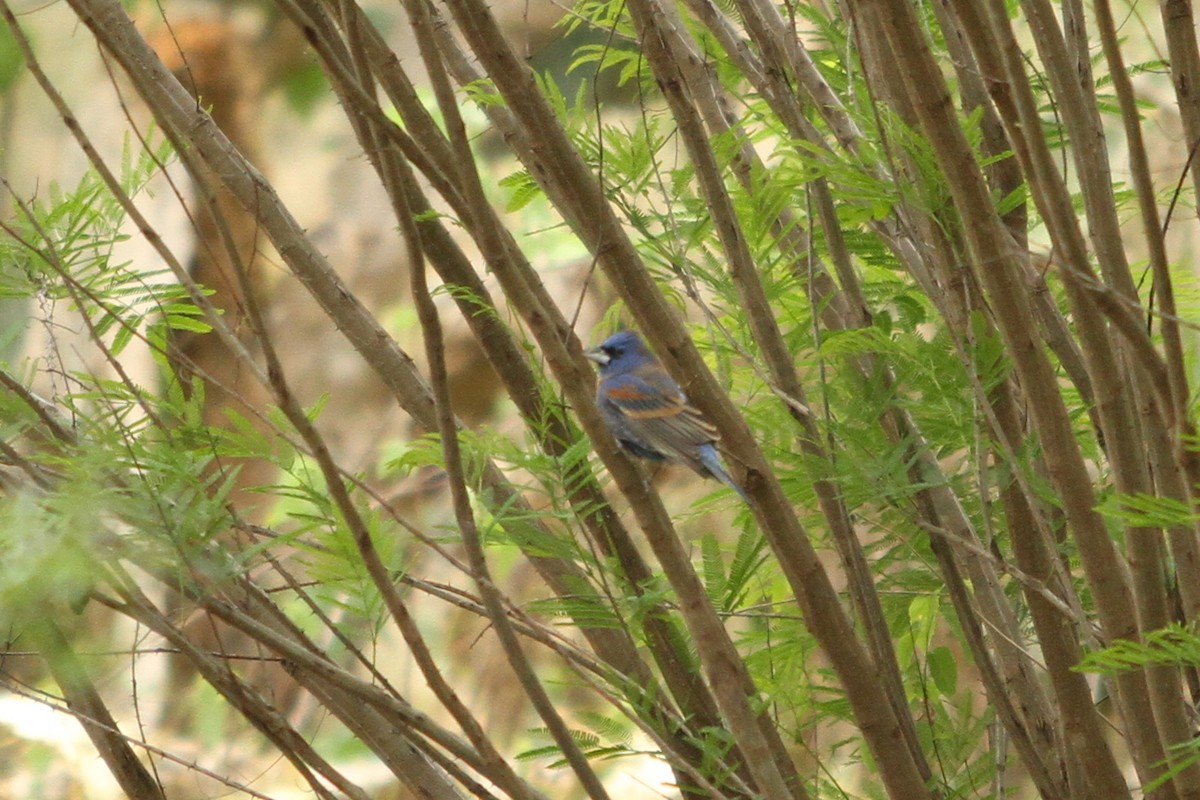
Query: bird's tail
[712,464]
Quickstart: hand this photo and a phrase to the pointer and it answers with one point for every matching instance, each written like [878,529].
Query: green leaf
[1144,510]
[1173,645]
[524,189]
[11,62]
[943,667]
[713,567]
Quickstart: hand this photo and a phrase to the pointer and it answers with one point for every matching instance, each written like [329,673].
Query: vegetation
[887,249]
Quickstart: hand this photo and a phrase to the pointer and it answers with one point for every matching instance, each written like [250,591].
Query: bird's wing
[661,416]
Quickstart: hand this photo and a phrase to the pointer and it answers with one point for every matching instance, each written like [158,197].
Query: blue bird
[648,413]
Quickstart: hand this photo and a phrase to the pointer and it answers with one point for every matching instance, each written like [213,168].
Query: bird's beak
[598,355]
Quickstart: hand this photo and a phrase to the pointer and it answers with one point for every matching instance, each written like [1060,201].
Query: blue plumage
[648,413]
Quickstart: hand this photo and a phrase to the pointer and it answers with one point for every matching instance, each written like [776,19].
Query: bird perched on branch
[649,414]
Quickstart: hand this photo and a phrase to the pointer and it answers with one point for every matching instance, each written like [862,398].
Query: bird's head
[622,349]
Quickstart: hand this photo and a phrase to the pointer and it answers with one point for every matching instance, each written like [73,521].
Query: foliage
[961,450]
